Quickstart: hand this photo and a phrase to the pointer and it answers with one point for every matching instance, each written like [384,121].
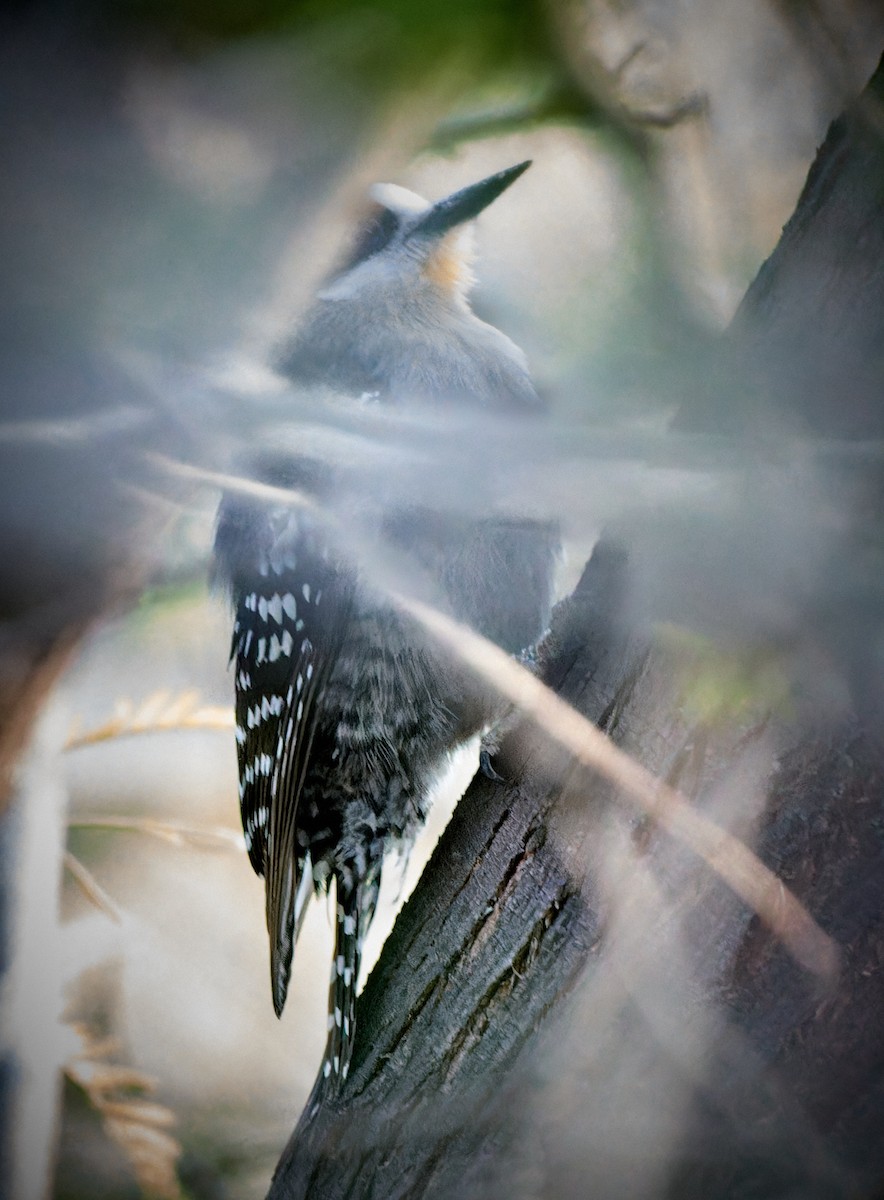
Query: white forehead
[398,200]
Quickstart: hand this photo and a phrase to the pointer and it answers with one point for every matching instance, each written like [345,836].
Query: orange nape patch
[449,266]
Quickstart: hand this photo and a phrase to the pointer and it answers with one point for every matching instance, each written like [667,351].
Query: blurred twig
[560,102]
[231,483]
[82,429]
[730,858]
[694,105]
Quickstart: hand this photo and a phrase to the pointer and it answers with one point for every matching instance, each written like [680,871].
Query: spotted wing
[292,602]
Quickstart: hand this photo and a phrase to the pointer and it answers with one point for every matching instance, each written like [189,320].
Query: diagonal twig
[730,858]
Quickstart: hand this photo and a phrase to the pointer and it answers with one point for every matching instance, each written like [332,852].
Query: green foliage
[382,40]
[720,686]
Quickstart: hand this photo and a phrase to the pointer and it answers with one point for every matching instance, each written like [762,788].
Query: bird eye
[376,233]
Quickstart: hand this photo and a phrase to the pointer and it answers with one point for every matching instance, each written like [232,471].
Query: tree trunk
[571,1003]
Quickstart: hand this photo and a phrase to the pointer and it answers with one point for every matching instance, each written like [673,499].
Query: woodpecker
[346,710]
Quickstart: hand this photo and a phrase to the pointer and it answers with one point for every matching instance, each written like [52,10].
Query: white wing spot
[289,605]
[287,642]
[262,608]
[305,592]
[274,607]
[275,649]
[309,671]
[262,650]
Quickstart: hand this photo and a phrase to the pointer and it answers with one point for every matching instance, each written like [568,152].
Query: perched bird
[345,709]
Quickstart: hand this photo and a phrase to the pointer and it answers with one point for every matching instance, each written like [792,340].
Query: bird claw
[486,768]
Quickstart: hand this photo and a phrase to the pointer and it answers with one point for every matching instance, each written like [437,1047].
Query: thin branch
[238,484]
[730,858]
[82,429]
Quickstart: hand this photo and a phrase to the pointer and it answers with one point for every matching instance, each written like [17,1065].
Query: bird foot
[486,767]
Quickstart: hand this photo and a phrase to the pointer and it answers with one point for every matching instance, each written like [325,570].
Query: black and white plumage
[345,709]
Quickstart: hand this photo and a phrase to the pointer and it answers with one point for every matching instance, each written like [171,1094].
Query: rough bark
[570,1004]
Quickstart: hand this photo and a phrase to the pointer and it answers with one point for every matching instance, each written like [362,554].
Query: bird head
[409,243]
[394,320]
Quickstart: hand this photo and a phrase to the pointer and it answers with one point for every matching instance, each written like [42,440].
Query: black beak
[467,203]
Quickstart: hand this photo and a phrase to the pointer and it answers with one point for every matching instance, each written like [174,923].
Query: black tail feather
[356,901]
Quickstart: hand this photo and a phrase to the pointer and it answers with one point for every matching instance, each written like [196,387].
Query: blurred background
[177,179]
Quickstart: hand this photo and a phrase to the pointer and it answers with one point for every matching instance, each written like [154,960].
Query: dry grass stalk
[90,886]
[179,833]
[159,713]
[138,1126]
